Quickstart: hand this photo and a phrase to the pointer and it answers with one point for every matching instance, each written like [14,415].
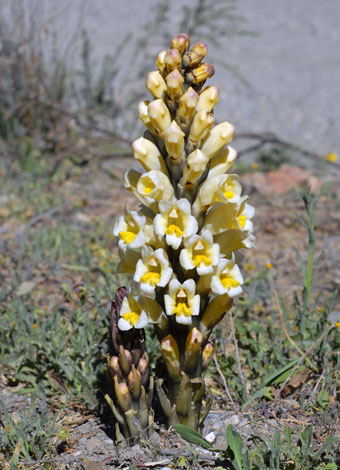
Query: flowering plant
[180,245]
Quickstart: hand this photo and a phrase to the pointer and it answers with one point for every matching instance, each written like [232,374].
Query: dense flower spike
[180,245]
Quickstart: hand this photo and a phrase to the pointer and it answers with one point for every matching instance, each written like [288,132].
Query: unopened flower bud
[170,354]
[219,136]
[143,114]
[134,383]
[187,105]
[148,154]
[125,360]
[221,163]
[192,349]
[208,98]
[155,83]
[174,141]
[181,43]
[122,394]
[195,166]
[160,61]
[174,83]
[202,122]
[195,55]
[215,311]
[207,354]
[200,74]
[114,367]
[173,60]
[143,368]
[159,115]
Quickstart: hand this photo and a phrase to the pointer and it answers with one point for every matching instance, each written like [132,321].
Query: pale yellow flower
[131,314]
[175,221]
[153,270]
[200,253]
[182,301]
[129,228]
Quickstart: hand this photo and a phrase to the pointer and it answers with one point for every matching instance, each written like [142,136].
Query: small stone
[93,444]
[210,437]
[235,420]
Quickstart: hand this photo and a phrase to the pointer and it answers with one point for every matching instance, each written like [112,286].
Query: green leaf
[235,442]
[269,379]
[190,435]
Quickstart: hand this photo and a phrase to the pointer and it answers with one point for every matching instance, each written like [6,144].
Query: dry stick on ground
[287,333]
[309,350]
[271,138]
[223,380]
[236,347]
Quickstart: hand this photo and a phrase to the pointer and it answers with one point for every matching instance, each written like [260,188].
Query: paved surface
[293,65]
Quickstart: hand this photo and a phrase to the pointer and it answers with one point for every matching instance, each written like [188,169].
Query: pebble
[210,437]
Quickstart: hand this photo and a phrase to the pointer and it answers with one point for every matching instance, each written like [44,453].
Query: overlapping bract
[180,246]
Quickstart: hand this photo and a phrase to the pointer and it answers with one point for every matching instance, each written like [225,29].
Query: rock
[210,437]
[93,444]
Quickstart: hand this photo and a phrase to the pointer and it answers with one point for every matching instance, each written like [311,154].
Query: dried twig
[236,347]
[288,335]
[223,380]
[271,138]
[309,350]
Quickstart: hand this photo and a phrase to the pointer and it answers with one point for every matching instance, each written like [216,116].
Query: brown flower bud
[114,367]
[170,354]
[192,349]
[122,394]
[134,383]
[173,60]
[195,55]
[200,74]
[125,360]
[181,43]
[207,354]
[143,368]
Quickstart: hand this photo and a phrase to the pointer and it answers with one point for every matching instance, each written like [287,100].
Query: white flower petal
[143,320]
[190,286]
[169,304]
[174,286]
[184,206]
[165,276]
[186,260]
[191,227]
[124,325]
[183,320]
[140,270]
[196,305]
[173,241]
[204,269]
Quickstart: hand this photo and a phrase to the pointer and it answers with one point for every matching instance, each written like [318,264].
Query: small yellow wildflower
[35,326]
[337,324]
[269,265]
[46,307]
[255,166]
[332,157]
